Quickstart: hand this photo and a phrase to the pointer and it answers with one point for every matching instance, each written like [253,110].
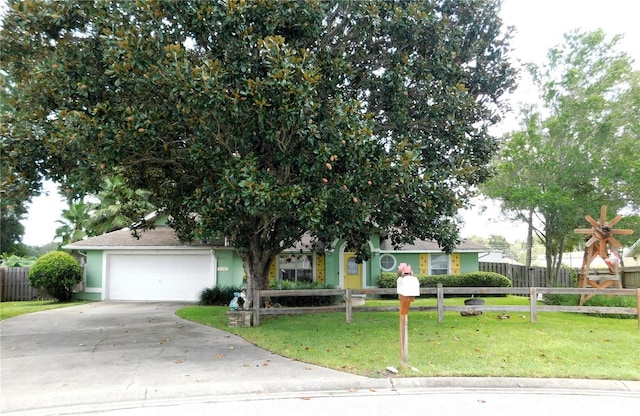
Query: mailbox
[408,286]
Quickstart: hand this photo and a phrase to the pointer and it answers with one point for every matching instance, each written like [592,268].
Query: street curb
[385,386]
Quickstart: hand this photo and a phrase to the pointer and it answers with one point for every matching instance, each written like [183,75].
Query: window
[352,266]
[387,262]
[439,264]
[296,268]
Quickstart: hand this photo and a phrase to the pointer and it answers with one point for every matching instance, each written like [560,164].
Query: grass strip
[560,345]
[12,309]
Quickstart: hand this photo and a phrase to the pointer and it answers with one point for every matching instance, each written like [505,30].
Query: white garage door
[159,277]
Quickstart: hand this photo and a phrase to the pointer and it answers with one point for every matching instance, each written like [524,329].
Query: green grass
[559,345]
[11,309]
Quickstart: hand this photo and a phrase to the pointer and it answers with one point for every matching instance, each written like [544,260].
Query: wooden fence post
[440,297]
[638,305]
[256,308]
[349,305]
[533,303]
[404,340]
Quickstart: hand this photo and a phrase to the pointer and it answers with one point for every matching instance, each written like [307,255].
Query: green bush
[15,261]
[598,300]
[561,299]
[57,273]
[295,301]
[221,296]
[218,296]
[469,279]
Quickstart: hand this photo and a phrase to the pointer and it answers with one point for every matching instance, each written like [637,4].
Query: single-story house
[157,266]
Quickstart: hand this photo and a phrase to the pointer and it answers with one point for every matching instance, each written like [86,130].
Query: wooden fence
[14,286]
[532,277]
[536,276]
[533,308]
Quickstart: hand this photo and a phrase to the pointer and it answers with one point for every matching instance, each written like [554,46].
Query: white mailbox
[408,286]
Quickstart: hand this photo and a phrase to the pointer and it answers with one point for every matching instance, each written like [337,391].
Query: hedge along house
[157,266]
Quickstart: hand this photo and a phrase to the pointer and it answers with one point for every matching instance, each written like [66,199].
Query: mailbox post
[408,287]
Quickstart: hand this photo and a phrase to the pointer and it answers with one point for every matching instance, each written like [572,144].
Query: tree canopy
[262,120]
[580,149]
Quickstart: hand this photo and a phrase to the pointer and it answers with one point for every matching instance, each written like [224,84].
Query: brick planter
[239,318]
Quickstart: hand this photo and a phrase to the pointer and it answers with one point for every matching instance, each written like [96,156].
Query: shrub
[470,279]
[15,261]
[614,301]
[57,273]
[562,299]
[294,301]
[218,296]
[598,300]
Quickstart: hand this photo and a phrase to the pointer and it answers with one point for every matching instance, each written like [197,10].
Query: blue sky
[540,25]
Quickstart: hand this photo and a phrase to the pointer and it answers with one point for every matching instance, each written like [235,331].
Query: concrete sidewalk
[106,355]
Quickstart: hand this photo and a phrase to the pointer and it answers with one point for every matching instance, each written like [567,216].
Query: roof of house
[433,246]
[165,237]
[157,237]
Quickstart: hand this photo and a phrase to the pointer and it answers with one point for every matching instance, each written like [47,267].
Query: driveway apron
[107,352]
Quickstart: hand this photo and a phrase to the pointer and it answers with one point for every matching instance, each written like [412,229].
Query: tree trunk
[256,263]
[559,262]
[548,250]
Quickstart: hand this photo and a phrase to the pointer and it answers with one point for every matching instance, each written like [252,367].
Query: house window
[439,264]
[296,268]
[387,262]
[352,266]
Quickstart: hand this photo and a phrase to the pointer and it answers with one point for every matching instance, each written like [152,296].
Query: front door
[352,272]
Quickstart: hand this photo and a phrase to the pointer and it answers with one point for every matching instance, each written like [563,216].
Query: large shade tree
[580,149]
[13,194]
[263,120]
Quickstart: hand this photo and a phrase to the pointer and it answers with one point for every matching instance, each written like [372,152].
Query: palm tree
[74,221]
[119,206]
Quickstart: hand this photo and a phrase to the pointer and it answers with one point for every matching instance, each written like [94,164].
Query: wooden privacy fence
[521,276]
[14,286]
[533,308]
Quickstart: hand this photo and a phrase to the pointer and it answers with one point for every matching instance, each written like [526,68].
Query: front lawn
[490,345]
[11,309]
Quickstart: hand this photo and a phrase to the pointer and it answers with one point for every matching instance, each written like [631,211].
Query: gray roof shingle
[432,245]
[157,237]
[163,236]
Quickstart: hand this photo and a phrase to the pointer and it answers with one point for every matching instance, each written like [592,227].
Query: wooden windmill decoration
[603,244]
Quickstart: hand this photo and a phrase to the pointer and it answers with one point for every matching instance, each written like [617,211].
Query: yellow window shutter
[272,270]
[424,263]
[320,268]
[455,263]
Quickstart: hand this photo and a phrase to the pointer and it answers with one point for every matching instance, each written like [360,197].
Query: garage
[159,275]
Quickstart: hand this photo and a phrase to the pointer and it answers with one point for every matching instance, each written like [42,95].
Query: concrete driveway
[109,352]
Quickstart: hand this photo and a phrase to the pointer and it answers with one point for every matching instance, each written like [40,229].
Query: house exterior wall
[93,277]
[412,259]
[468,262]
[327,267]
[332,267]
[230,272]
[94,269]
